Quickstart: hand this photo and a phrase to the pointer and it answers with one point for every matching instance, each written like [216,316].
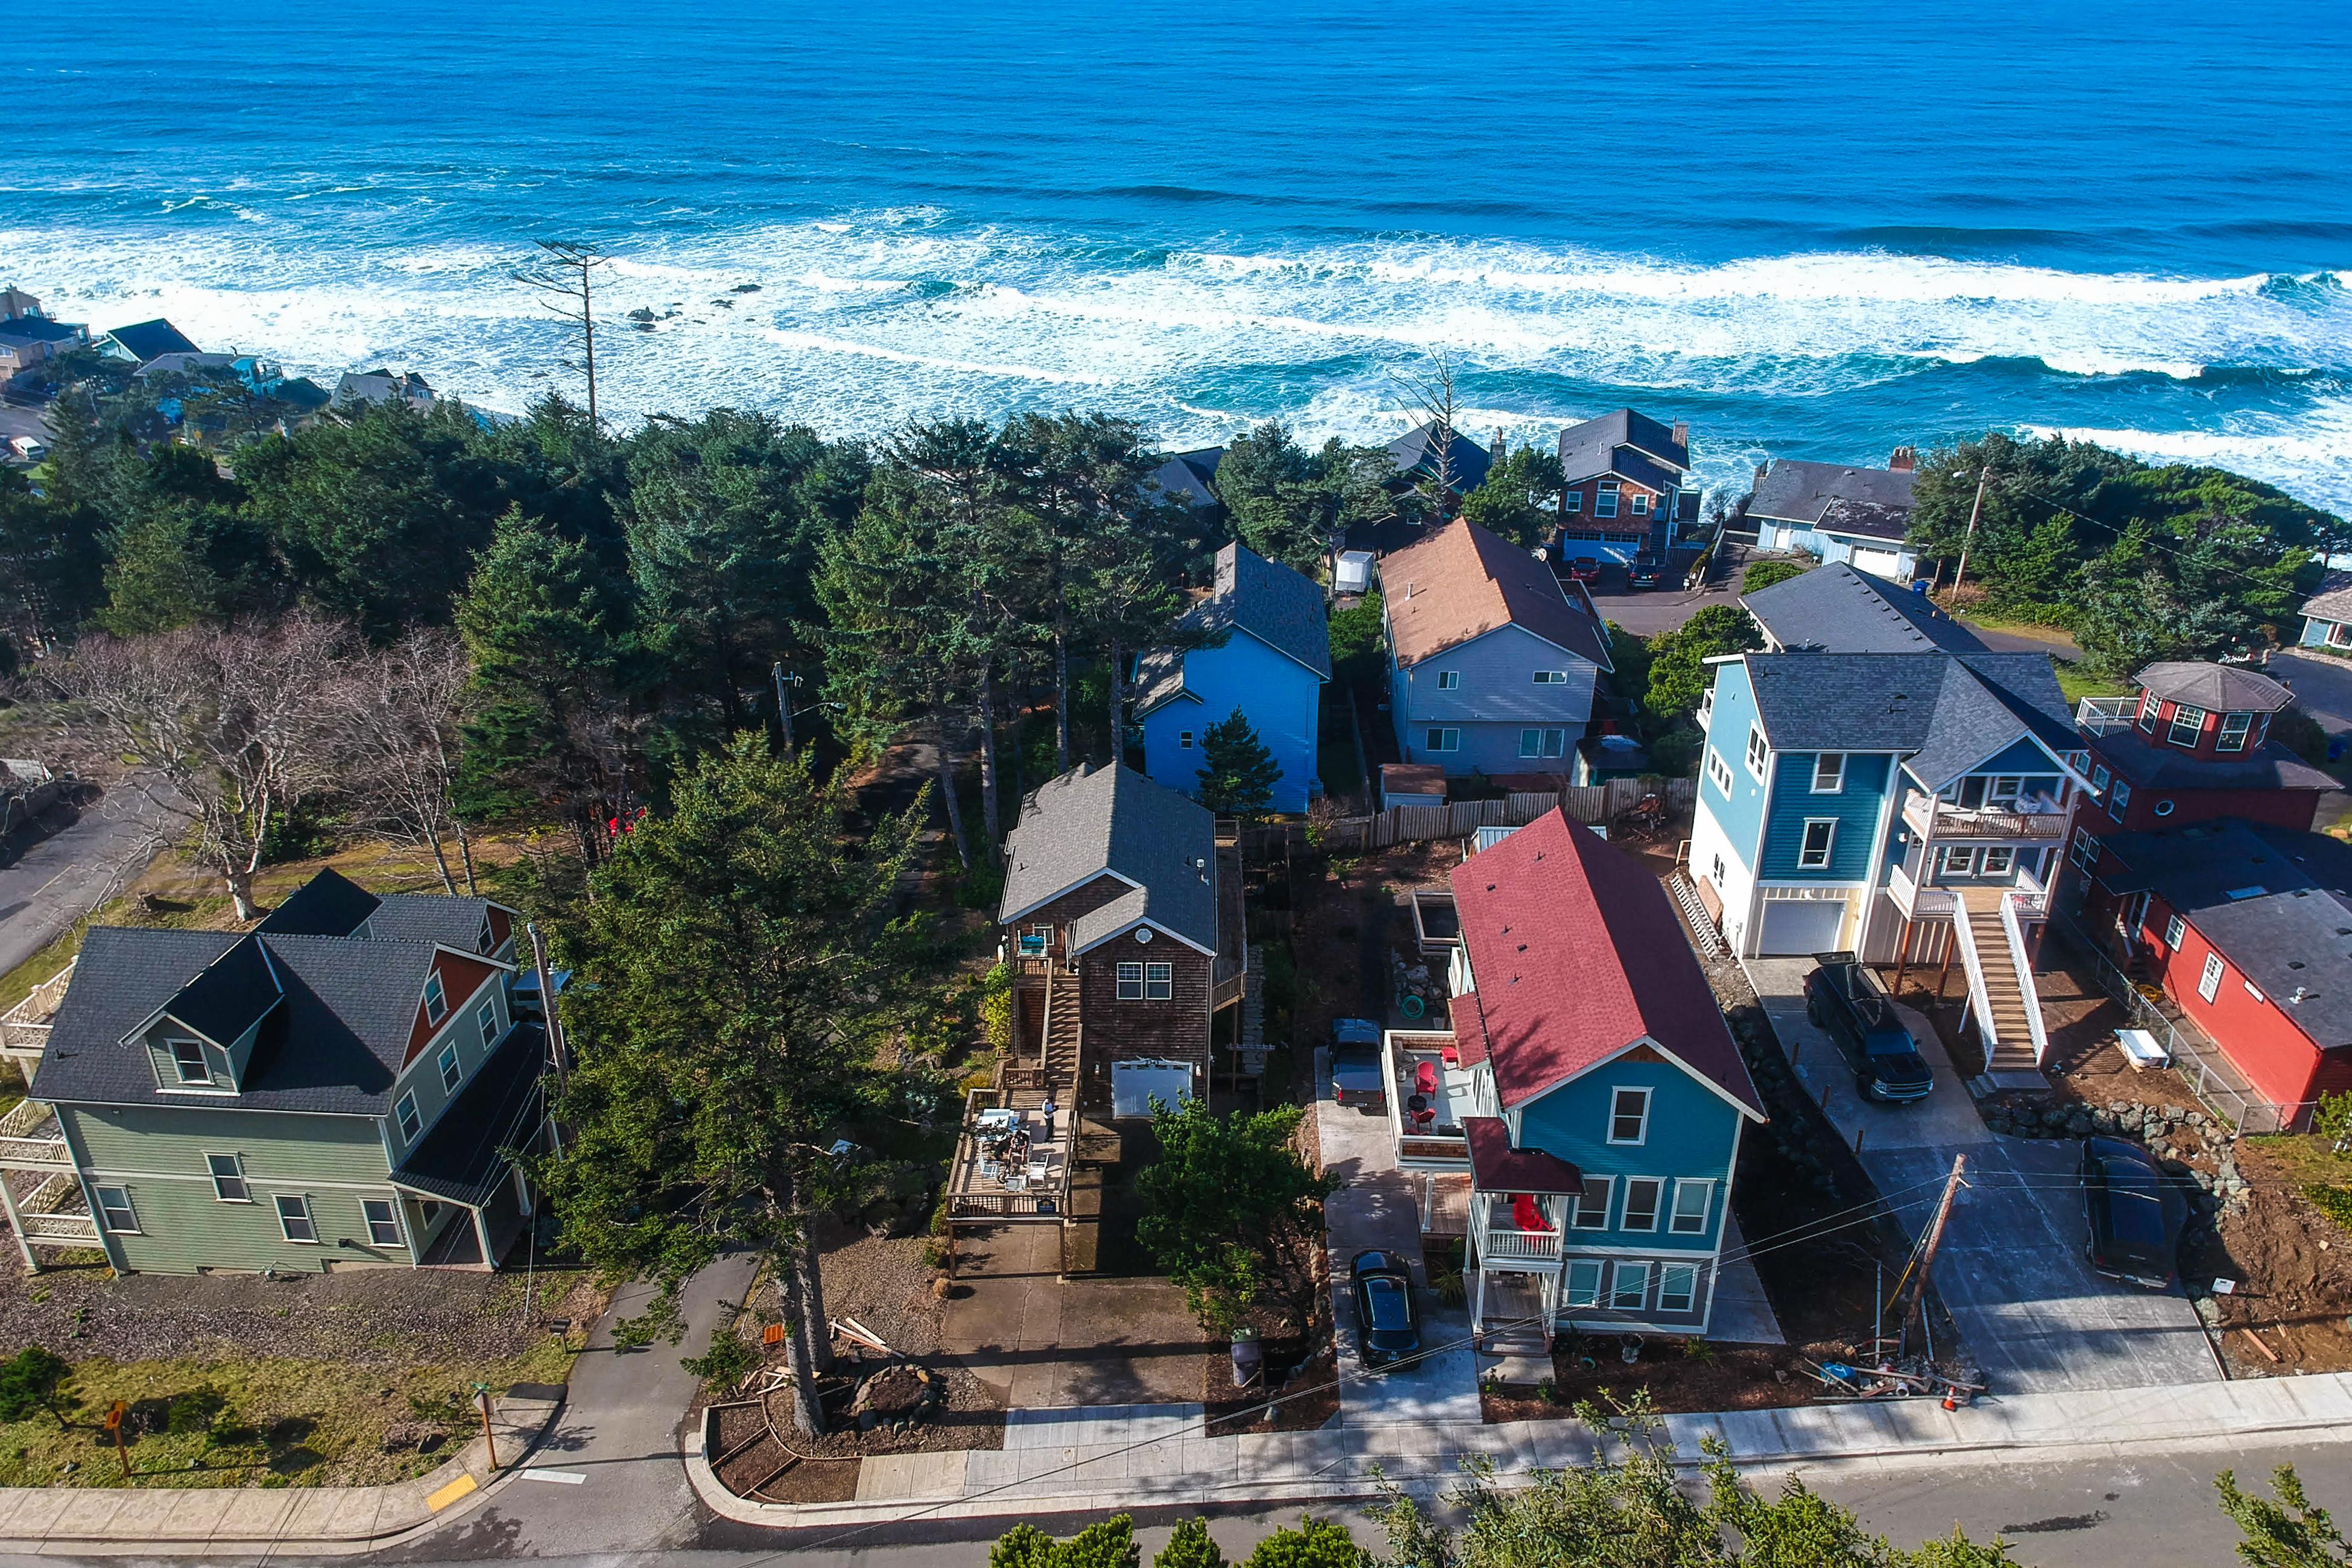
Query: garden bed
[1679,1375]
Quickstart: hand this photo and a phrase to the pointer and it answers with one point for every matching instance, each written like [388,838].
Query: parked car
[1644,570]
[1844,998]
[1584,569]
[1356,1063]
[1388,1325]
[2135,1214]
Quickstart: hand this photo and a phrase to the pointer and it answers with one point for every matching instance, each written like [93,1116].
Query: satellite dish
[1143,933]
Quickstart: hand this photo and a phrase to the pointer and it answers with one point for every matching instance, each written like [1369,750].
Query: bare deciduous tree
[223,730]
[397,712]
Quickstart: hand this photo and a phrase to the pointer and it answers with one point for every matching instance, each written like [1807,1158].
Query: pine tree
[1241,773]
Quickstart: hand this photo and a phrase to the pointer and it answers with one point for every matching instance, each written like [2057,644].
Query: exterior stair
[1512,1345]
[1061,1029]
[1695,915]
[2009,1036]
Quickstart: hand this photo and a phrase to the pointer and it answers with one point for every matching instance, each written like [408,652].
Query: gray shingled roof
[431,916]
[1280,607]
[1837,609]
[1188,477]
[2147,766]
[1591,449]
[2277,903]
[328,904]
[1094,821]
[2333,602]
[1794,490]
[145,340]
[2216,687]
[1415,452]
[458,1158]
[1945,713]
[229,996]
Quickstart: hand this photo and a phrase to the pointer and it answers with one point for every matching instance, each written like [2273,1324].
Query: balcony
[1918,903]
[1504,1241]
[2105,715]
[1426,1121]
[25,1028]
[56,1214]
[2029,819]
[31,1140]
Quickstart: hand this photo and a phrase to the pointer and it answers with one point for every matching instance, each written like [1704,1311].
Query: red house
[2248,927]
[2191,745]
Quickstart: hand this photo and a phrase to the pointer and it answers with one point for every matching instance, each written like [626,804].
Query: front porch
[1007,1167]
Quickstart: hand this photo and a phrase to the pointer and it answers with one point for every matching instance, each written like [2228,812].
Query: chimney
[1682,433]
[1502,446]
[1761,469]
[1904,460]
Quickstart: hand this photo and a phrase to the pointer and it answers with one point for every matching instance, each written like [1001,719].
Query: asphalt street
[54,882]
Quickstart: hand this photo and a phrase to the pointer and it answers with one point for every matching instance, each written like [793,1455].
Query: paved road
[2323,687]
[54,882]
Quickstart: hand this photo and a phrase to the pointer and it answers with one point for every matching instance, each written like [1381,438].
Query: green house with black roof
[347,1085]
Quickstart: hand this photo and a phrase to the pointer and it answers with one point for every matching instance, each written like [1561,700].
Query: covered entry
[1799,923]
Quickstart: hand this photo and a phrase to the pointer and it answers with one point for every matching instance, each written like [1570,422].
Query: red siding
[461,978]
[2268,1047]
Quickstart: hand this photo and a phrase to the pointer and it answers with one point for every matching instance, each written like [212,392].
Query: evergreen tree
[1239,773]
[1518,498]
[2292,1533]
[1232,1213]
[1190,1547]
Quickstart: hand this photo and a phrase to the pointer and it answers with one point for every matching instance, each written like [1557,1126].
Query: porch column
[16,1223]
[1902,956]
[482,1237]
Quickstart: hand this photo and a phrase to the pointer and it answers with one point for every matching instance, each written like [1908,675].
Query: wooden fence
[1599,803]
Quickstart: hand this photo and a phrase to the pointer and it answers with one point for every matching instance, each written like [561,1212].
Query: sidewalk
[1099,1461]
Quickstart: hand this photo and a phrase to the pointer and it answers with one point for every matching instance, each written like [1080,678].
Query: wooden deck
[975,1196]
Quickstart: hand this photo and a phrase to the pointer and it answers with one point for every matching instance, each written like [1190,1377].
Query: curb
[73,1520]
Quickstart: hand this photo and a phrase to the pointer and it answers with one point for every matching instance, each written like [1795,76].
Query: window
[294,1219]
[1828,773]
[2003,791]
[1543,743]
[384,1229]
[1677,1286]
[2099,779]
[1158,983]
[1183,740]
[2134,914]
[2235,727]
[486,1018]
[1629,1116]
[1692,1200]
[2188,724]
[410,1124]
[2149,706]
[1640,505]
[114,1211]
[1759,752]
[1998,862]
[1591,1210]
[2173,929]
[1955,861]
[228,1178]
[452,1073]
[2119,800]
[1714,870]
[484,939]
[1644,1195]
[2211,980]
[1631,1288]
[1449,680]
[1130,983]
[1813,854]
[1445,739]
[1604,501]
[2086,849]
[1551,677]
[1576,504]
[436,1003]
[1718,772]
[1583,1273]
[188,1061]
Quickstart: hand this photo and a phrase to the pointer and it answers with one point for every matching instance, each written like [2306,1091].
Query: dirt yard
[1678,1375]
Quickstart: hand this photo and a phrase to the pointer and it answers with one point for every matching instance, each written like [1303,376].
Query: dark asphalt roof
[1945,712]
[2216,687]
[2145,765]
[2277,904]
[38,330]
[1844,498]
[2333,602]
[459,1156]
[123,978]
[431,916]
[328,904]
[1415,452]
[1188,477]
[229,996]
[145,340]
[1591,449]
[1497,1167]
[1096,820]
[1840,610]
[1280,607]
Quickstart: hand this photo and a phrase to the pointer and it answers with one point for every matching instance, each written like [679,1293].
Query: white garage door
[1878,563]
[1134,1085]
[1800,926]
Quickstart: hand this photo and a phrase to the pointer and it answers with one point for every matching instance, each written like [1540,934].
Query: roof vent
[2301,991]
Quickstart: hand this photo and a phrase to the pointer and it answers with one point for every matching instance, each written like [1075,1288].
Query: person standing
[1047,1110]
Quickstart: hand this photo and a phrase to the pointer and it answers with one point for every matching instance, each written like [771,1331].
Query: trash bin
[1249,1357]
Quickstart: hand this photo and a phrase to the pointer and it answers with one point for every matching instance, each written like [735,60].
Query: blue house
[2327,614]
[1838,511]
[1589,1086]
[1270,659]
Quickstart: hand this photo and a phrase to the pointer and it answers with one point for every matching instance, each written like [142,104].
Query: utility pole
[783,705]
[562,276]
[1974,506]
[547,1005]
[1935,1239]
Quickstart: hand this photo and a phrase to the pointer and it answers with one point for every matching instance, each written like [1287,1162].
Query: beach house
[1626,488]
[1838,511]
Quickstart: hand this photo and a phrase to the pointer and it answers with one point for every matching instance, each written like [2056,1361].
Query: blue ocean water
[1817,228]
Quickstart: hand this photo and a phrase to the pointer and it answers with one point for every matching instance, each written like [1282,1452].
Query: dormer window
[2235,729]
[188,1060]
[437,1001]
[485,942]
[2188,724]
[2147,708]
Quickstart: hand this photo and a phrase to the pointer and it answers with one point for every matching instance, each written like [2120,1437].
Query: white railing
[1942,820]
[1500,1238]
[2012,906]
[44,1216]
[1921,903]
[25,1028]
[2099,715]
[1980,1000]
[25,1146]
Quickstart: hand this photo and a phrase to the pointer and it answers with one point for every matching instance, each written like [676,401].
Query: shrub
[1315,1544]
[728,1362]
[33,1381]
[1110,1543]
[1190,1547]
[1764,573]
[996,1008]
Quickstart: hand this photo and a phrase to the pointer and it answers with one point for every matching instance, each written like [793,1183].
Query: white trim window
[294,1219]
[115,1213]
[1551,677]
[1583,1283]
[1644,1195]
[2148,704]
[1575,499]
[1629,1286]
[1444,738]
[1629,1115]
[485,1019]
[189,1061]
[1590,1209]
[1694,1200]
[384,1226]
[1449,680]
[2099,776]
[1759,752]
[1999,861]
[411,1124]
[437,1000]
[2235,728]
[2173,929]
[1955,860]
[1641,504]
[1159,982]
[2119,800]
[485,939]
[1820,836]
[1604,498]
[1677,1286]
[1543,743]
[1130,983]
[1718,772]
[452,1070]
[1828,773]
[2084,849]
[2209,982]
[2188,725]
[227,1172]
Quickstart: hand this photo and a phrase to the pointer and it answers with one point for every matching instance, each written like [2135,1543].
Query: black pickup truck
[1846,999]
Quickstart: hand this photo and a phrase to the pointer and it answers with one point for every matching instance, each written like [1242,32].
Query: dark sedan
[1387,1322]
[1644,570]
[2135,1214]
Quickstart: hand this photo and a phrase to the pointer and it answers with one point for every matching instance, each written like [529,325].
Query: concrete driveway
[2012,1269]
[2322,685]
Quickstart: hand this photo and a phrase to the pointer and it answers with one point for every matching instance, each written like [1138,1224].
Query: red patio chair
[1525,1213]
[1424,1077]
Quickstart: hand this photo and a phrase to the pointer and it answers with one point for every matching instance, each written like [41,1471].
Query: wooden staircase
[1512,1345]
[2009,994]
[1061,1029]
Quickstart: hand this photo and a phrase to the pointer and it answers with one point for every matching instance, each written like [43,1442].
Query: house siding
[2281,1061]
[158,1153]
[1496,699]
[1855,807]
[1280,697]
[1177,1028]
[1692,1134]
[422,1075]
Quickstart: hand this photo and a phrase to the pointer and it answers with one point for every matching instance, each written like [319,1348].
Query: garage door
[1800,926]
[1878,563]
[1134,1085]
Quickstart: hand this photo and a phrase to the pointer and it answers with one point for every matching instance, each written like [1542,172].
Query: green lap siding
[159,1156]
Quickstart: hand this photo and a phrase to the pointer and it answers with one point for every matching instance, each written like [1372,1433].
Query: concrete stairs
[2008,992]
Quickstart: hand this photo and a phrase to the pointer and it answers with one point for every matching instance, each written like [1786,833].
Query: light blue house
[1271,660]
[2327,614]
[1838,511]
[1588,1083]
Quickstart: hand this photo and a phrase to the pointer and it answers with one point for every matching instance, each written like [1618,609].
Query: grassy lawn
[2309,1161]
[2078,684]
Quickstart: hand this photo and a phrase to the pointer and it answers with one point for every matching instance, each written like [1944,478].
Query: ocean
[1816,229]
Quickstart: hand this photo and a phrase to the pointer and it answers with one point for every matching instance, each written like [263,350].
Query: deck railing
[31,1140]
[25,1028]
[57,1211]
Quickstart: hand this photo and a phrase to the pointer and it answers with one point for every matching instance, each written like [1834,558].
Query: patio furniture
[990,1171]
[1424,1077]
[1526,1213]
[1016,1181]
[1038,1170]
[997,1121]
[1422,1118]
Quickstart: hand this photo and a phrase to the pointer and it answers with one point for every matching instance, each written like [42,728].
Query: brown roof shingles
[1462,582]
